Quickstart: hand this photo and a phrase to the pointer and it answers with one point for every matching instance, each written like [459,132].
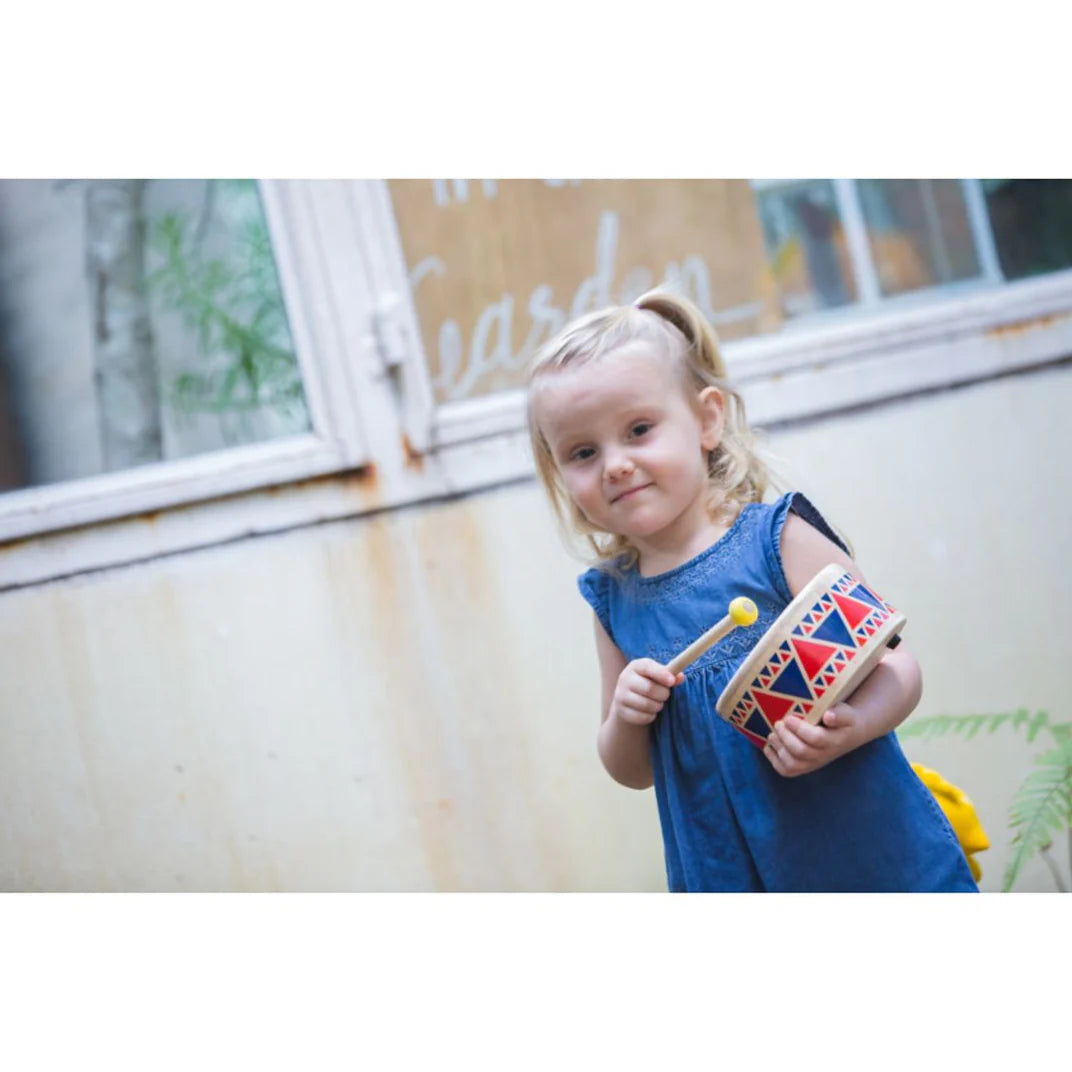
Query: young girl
[643,448]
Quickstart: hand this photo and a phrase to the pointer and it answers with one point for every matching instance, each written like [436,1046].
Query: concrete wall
[409,701]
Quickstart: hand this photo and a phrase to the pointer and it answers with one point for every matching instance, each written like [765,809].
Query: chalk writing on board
[444,191]
[490,346]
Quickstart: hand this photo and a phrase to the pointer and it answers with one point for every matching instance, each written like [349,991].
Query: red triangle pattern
[853,610]
[813,656]
[773,707]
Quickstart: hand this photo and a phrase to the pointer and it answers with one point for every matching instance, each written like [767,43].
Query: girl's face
[630,444]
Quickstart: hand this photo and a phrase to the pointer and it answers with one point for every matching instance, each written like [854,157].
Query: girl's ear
[711,402]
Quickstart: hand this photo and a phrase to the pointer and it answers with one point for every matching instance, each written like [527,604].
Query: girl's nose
[618,466]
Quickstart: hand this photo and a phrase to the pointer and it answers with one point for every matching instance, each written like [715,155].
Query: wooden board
[496,266]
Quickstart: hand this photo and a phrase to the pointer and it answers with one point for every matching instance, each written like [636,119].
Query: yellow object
[960,812]
[743,611]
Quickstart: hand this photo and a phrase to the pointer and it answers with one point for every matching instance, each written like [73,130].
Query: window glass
[140,321]
[805,242]
[1032,224]
[919,232]
[497,266]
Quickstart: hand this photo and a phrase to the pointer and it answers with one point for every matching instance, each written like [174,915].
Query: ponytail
[738,474]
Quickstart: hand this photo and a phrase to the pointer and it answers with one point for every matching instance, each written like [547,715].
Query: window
[805,241]
[494,268]
[140,321]
[1032,224]
[919,233]
[842,244]
[162,342]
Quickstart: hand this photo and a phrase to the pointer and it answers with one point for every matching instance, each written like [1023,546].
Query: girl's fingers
[647,706]
[794,747]
[797,730]
[643,686]
[771,751]
[789,755]
[838,716]
[657,673]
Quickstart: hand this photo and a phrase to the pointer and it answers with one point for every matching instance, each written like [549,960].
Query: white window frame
[335,442]
[379,441]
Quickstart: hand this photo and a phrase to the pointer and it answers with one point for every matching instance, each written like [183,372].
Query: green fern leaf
[1041,809]
[1038,723]
[968,726]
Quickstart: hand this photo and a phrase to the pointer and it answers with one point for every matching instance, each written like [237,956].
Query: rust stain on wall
[362,483]
[364,480]
[414,459]
[1021,327]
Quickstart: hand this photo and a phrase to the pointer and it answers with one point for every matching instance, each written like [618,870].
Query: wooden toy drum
[817,650]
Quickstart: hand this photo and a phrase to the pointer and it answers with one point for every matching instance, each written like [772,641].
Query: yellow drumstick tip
[743,611]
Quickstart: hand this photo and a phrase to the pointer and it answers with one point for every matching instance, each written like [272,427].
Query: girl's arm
[633,695]
[880,704]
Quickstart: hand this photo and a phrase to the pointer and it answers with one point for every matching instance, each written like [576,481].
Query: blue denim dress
[730,822]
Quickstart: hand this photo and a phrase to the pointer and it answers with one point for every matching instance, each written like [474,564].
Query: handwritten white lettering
[442,193]
[691,277]
[594,292]
[546,320]
[451,352]
[443,190]
[481,361]
[490,347]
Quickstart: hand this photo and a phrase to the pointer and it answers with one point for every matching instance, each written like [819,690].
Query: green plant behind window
[235,308]
[1041,809]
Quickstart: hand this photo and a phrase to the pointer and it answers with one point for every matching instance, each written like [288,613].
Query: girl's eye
[581,454]
[641,428]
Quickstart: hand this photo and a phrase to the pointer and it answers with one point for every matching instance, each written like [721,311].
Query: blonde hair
[674,325]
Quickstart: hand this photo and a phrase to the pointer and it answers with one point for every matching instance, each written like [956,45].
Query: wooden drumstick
[742,611]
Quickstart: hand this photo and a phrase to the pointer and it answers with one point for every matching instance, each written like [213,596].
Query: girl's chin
[648,531]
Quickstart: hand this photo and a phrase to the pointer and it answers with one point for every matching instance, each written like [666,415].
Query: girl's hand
[796,747]
[643,688]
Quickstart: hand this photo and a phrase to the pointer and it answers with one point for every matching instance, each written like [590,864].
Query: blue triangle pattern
[835,631]
[859,592]
[758,725]
[791,682]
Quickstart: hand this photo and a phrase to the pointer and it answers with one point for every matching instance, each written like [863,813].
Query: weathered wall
[408,702]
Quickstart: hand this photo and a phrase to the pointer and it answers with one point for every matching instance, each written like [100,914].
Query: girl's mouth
[628,494]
